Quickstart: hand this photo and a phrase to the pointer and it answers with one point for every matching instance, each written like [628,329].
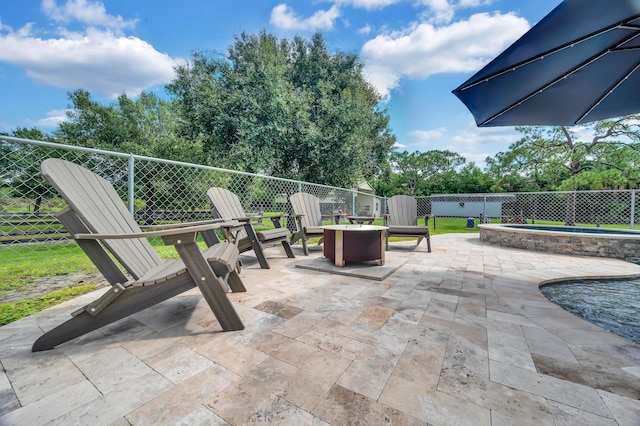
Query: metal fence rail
[155,190]
[579,208]
[158,190]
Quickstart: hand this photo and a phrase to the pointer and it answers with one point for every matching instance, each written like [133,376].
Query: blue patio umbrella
[580,63]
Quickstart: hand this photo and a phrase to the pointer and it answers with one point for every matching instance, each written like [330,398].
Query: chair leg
[287,249]
[428,242]
[235,283]
[305,249]
[206,280]
[295,237]
[262,260]
[257,247]
[132,300]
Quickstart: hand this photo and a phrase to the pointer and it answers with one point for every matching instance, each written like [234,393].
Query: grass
[22,265]
[13,311]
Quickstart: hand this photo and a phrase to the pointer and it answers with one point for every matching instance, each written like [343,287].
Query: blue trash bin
[471,222]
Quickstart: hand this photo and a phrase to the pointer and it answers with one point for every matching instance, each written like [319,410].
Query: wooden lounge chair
[402,220]
[308,216]
[99,221]
[227,206]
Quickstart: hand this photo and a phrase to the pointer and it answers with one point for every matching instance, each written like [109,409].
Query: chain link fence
[160,191]
[614,209]
[155,191]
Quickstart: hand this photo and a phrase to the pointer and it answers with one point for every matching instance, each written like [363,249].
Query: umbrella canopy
[580,63]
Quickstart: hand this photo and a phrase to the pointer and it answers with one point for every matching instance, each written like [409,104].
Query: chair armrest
[275,216]
[188,231]
[181,224]
[275,219]
[241,219]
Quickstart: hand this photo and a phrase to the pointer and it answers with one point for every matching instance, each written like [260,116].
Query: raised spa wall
[626,247]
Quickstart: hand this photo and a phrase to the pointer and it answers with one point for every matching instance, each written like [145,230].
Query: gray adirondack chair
[402,220]
[100,223]
[227,206]
[308,216]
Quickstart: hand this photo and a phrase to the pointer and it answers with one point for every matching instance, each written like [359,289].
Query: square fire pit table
[354,243]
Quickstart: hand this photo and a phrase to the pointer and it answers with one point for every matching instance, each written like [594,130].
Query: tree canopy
[288,108]
[294,109]
[557,158]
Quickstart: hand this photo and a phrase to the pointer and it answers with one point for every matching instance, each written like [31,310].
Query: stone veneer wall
[626,247]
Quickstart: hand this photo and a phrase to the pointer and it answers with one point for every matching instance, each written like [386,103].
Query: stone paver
[459,336]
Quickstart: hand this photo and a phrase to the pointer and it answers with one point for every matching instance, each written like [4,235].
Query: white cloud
[426,135]
[424,49]
[442,10]
[283,17]
[97,61]
[103,61]
[367,4]
[365,30]
[475,144]
[52,119]
[474,3]
[88,12]
[478,159]
[476,139]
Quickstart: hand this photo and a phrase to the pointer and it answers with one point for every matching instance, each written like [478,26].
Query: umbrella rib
[602,98]
[543,88]
[623,25]
[573,71]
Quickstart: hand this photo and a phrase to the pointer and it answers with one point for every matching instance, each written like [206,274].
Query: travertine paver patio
[460,336]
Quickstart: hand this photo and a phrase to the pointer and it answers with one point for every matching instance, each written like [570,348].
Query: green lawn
[23,264]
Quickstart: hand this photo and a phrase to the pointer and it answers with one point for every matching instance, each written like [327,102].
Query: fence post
[131,183]
[484,219]
[353,203]
[633,208]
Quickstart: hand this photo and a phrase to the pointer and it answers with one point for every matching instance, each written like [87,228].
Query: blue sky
[415,53]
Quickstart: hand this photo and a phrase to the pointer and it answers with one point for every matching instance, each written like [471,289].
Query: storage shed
[470,205]
[367,204]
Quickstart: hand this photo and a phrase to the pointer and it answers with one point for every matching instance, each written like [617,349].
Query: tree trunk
[148,198]
[38,204]
[570,212]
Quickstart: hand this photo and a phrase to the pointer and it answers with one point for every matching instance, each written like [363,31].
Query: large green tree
[558,158]
[287,108]
[20,165]
[144,126]
[555,158]
[422,173]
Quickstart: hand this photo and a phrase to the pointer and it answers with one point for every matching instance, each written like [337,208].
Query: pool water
[612,305]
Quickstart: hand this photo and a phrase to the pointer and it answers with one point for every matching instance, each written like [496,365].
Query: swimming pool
[604,242]
[610,304]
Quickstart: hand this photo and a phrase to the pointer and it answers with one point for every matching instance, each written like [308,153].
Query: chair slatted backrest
[309,206]
[97,204]
[227,205]
[403,210]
